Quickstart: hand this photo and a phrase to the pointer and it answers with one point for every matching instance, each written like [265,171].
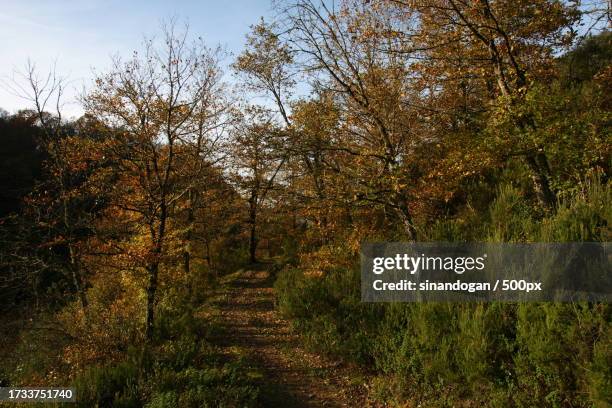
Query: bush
[109,386]
[445,354]
[328,311]
[226,385]
[180,369]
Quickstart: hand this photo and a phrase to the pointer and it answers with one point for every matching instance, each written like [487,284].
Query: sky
[81,36]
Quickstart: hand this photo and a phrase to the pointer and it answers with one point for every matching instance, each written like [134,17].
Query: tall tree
[163,101]
[257,163]
[62,204]
[498,48]
[377,127]
[266,65]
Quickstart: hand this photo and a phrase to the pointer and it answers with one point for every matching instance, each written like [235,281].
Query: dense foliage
[435,120]
[444,354]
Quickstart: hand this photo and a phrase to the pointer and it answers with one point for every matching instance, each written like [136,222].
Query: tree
[266,66]
[483,43]
[377,131]
[62,206]
[163,104]
[257,163]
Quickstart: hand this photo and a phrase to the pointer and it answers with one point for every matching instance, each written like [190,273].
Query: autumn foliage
[424,120]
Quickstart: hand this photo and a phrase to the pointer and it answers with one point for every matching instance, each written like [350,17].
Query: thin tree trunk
[253,224]
[77,280]
[187,262]
[538,166]
[253,243]
[153,270]
[406,219]
[151,292]
[188,236]
[208,258]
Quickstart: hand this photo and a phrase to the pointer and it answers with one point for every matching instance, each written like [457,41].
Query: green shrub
[556,349]
[583,216]
[180,369]
[109,386]
[226,385]
[329,312]
[511,217]
[168,399]
[447,354]
[599,373]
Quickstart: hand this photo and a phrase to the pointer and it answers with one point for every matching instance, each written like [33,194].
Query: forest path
[291,377]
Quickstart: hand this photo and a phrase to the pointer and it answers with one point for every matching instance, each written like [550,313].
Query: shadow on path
[293,377]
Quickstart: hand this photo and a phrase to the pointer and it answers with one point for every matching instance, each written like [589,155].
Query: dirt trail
[292,376]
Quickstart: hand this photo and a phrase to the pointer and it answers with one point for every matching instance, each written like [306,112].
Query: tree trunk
[188,236]
[187,262]
[253,224]
[153,270]
[77,279]
[405,217]
[538,165]
[208,256]
[151,292]
[78,284]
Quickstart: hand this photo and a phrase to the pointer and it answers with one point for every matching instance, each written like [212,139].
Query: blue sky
[83,34]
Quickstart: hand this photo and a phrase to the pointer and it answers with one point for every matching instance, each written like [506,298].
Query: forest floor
[291,376]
